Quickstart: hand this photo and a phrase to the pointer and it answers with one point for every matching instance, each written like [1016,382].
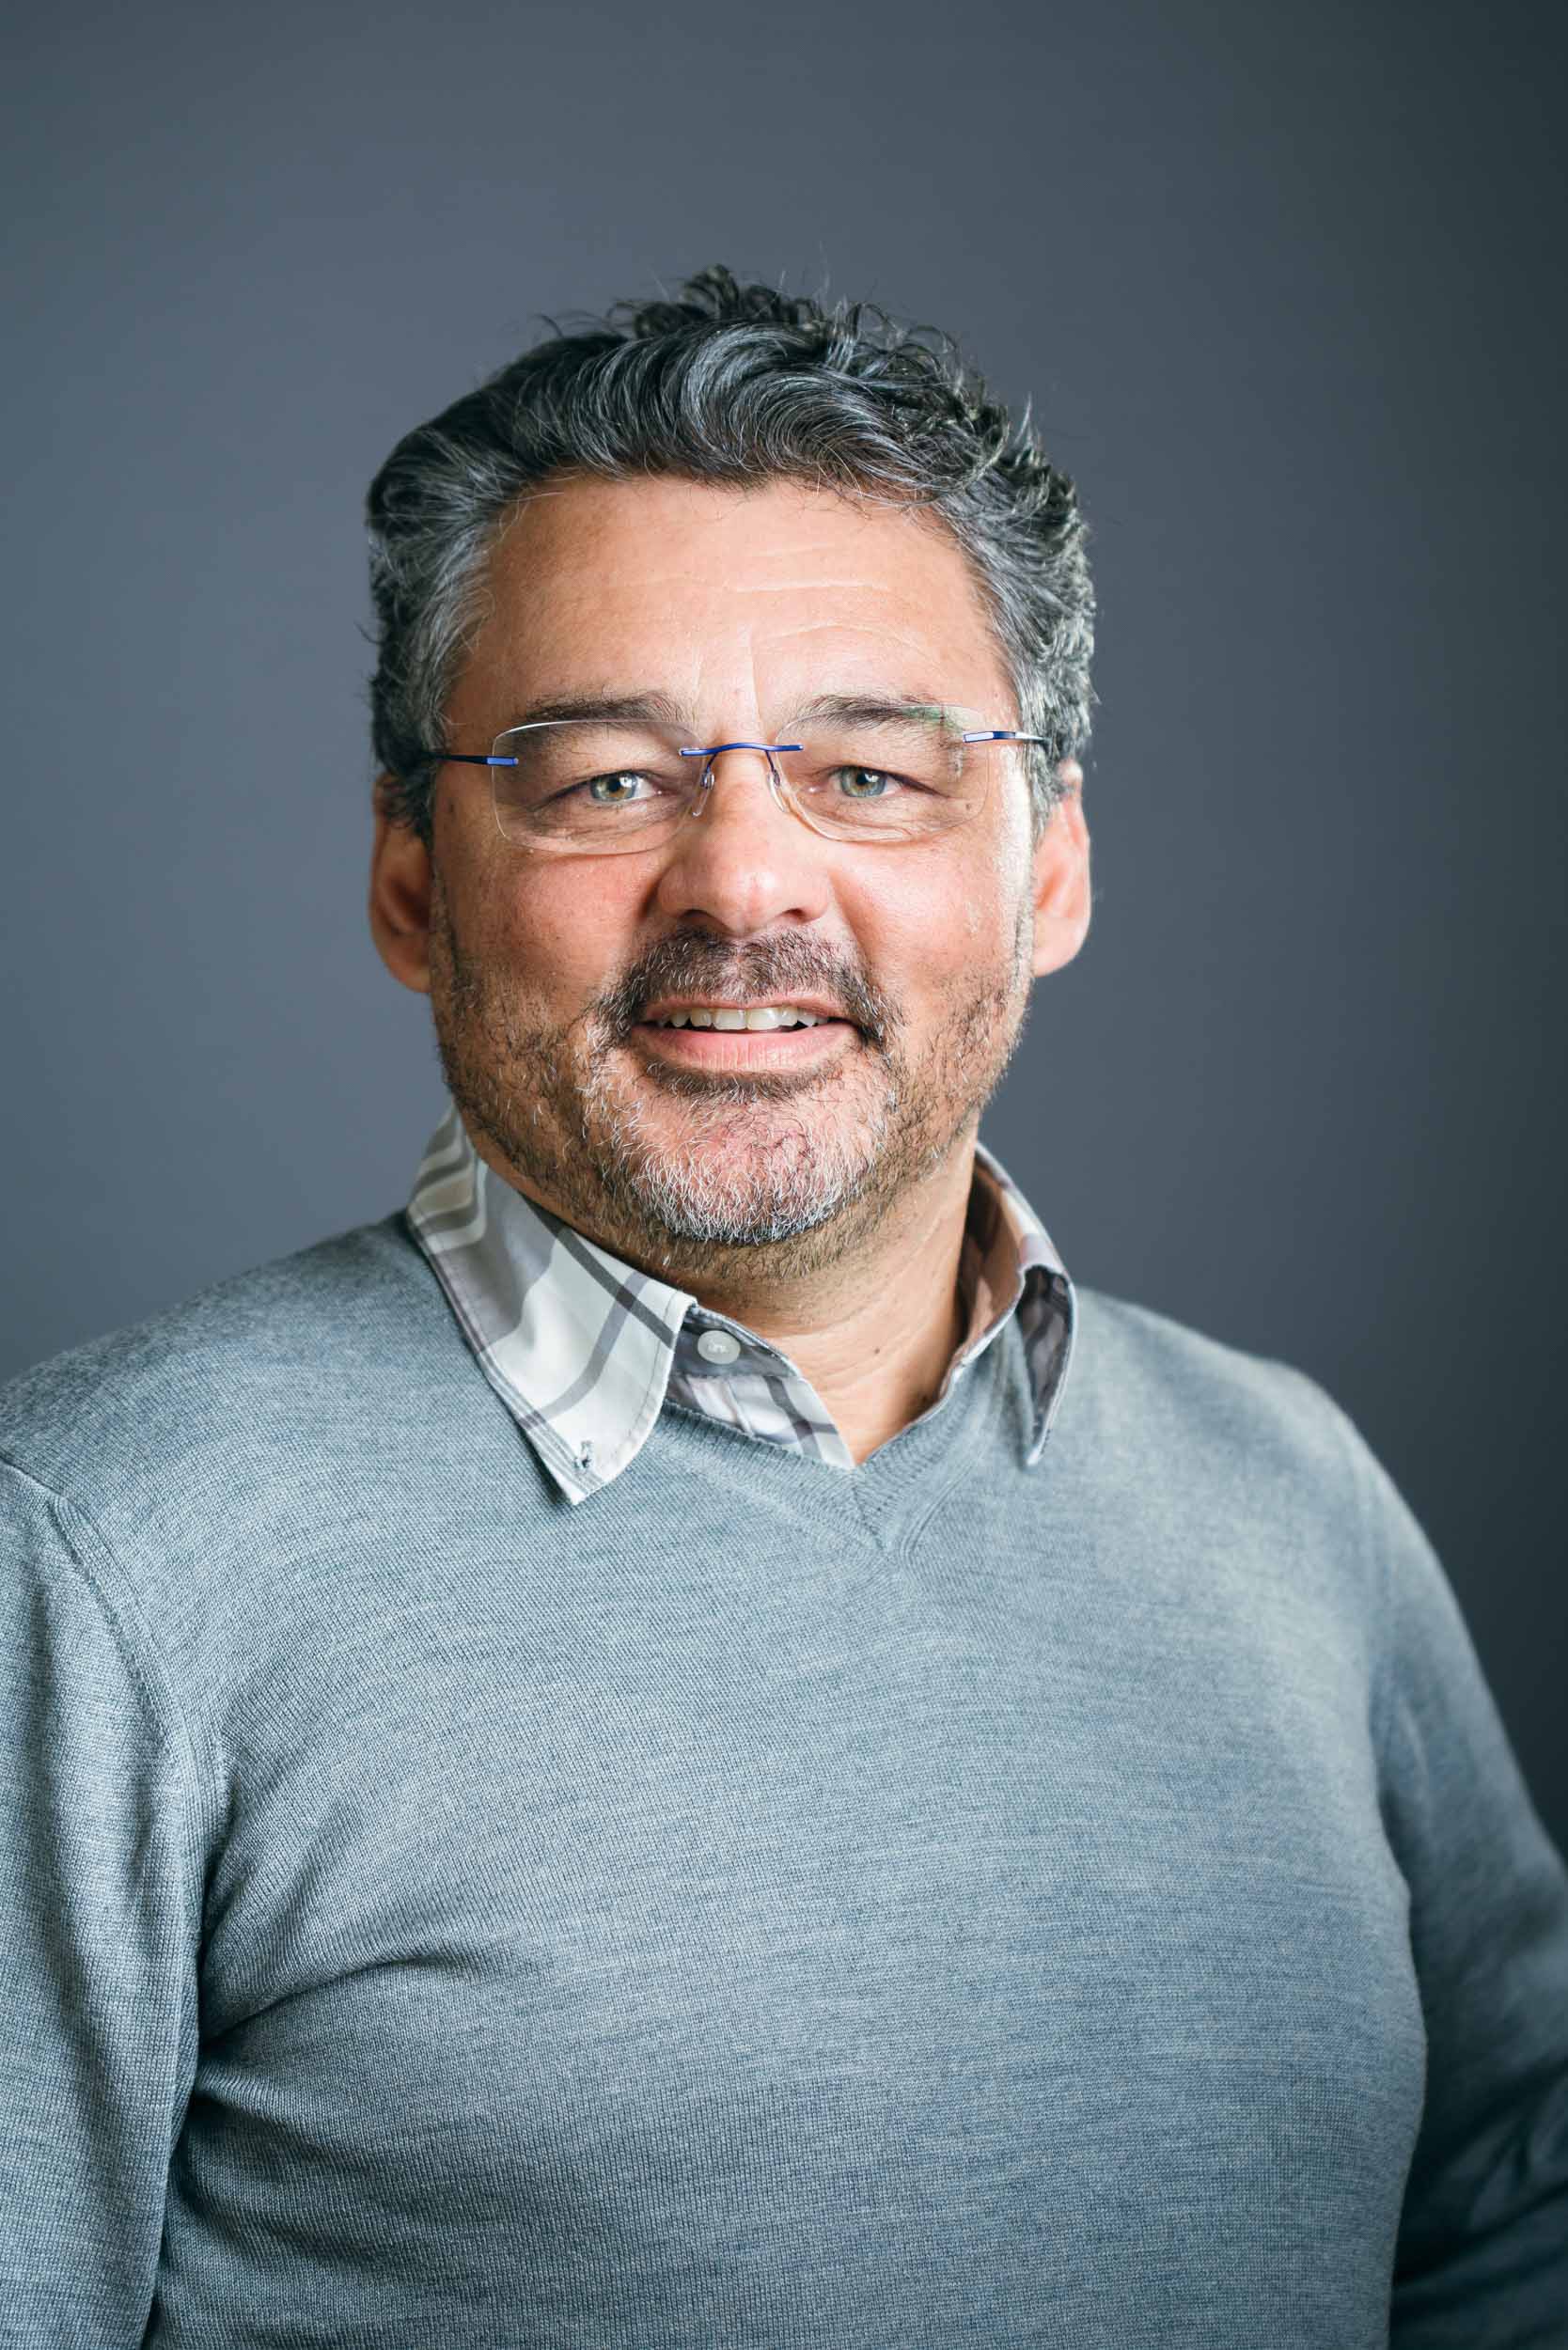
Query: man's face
[740,607]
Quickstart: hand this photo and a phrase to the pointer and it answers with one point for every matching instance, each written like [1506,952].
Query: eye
[592,783]
[877,775]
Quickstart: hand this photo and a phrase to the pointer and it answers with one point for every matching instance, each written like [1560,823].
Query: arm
[100,1924]
[1481,2262]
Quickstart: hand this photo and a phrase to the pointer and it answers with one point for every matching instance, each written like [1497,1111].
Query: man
[685,1743]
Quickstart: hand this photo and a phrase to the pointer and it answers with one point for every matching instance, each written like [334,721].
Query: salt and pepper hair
[742,386]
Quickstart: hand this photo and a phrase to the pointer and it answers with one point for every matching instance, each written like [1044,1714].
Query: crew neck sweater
[1073,1893]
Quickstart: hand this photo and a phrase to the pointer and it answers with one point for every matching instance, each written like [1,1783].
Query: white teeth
[764,1016]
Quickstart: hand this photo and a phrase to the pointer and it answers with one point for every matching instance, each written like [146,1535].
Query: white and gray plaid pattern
[583,1349]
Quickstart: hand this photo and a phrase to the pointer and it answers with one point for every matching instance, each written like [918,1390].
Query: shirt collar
[583,1349]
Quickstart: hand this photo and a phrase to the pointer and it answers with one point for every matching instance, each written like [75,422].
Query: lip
[729,1049]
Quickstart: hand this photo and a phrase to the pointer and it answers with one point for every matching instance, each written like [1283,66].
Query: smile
[731,1049]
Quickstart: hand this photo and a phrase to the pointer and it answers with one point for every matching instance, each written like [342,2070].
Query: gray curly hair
[740,384]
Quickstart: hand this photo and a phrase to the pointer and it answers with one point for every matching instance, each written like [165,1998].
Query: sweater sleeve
[99,1893]
[1483,2250]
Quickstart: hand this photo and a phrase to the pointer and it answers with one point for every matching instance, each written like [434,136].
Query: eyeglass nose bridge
[778,782]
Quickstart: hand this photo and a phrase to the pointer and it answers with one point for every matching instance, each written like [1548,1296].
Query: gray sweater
[1089,1902]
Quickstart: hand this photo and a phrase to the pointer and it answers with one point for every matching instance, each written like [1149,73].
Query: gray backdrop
[1282,281]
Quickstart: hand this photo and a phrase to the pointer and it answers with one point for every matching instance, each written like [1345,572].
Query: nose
[727,767]
[744,867]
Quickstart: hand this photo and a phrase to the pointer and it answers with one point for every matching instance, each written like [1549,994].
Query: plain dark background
[1282,282]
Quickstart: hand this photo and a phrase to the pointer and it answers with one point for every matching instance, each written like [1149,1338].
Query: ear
[1063,895]
[400,886]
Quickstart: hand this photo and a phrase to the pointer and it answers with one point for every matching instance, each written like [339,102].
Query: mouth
[733,1049]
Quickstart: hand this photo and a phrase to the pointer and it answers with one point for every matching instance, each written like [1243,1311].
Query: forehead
[702,588]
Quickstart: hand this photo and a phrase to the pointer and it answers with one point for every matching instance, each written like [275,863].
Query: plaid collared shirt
[583,1349]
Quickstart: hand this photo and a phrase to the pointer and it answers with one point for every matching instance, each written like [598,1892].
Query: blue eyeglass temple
[993,734]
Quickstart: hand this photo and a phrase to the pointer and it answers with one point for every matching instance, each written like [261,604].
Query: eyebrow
[662,709]
[608,707]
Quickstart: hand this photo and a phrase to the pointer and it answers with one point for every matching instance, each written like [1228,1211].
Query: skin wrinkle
[825,1212]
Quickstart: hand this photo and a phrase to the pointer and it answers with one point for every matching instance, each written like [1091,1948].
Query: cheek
[992,899]
[973,920]
[568,945]
[923,938]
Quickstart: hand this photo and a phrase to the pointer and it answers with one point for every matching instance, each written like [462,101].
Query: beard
[738,1179]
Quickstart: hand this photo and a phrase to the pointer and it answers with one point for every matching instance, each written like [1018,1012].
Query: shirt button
[717,1346]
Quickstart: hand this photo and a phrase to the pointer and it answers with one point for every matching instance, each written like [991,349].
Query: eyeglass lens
[581,783]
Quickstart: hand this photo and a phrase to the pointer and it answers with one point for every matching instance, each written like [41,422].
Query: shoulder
[1228,1463]
[249,1361]
[1148,1382]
